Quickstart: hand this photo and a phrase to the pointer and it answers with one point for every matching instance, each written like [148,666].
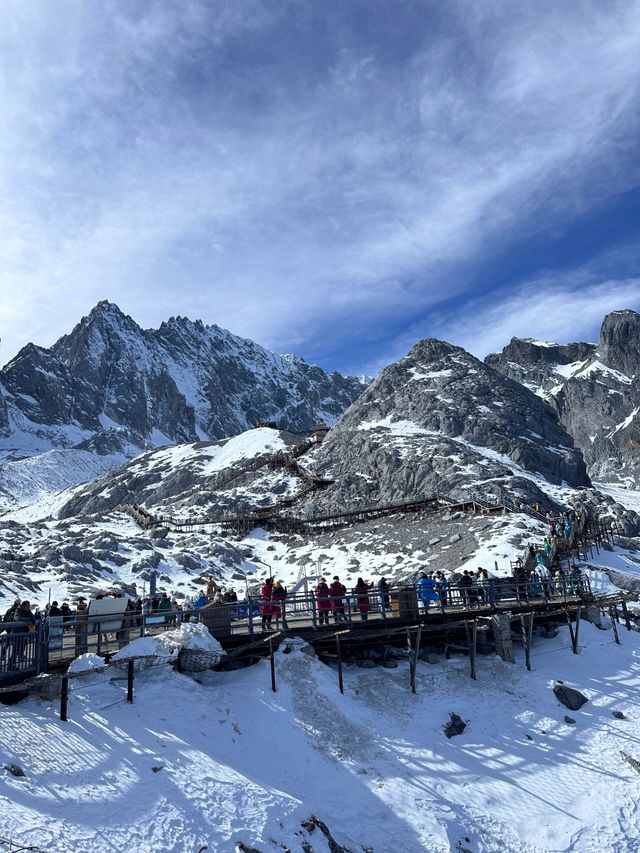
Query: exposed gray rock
[570,697]
[111,387]
[595,391]
[455,726]
[437,420]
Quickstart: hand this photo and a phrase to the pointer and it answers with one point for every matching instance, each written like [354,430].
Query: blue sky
[336,179]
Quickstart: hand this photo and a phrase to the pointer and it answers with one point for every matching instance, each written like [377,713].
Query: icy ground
[226,760]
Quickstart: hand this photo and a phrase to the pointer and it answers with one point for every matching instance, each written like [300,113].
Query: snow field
[240,763]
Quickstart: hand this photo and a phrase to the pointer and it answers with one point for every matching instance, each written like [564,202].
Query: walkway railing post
[625,613]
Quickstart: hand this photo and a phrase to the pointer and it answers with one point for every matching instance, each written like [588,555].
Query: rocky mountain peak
[441,420]
[182,382]
[595,391]
[619,345]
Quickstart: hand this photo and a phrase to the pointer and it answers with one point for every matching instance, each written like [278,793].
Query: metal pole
[130,681]
[273,665]
[64,698]
[339,652]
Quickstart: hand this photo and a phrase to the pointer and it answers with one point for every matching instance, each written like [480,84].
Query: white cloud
[562,309]
[223,160]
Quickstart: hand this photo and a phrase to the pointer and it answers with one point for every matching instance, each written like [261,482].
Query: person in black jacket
[383,589]
[24,617]
[464,585]
[8,616]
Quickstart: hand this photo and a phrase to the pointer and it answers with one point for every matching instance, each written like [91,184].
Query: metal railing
[24,653]
[23,650]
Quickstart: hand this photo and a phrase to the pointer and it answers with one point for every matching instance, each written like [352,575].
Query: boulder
[569,697]
[455,726]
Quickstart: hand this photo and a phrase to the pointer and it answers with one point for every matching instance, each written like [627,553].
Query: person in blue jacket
[427,589]
[200,601]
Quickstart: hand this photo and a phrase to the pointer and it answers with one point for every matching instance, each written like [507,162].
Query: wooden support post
[574,631]
[526,624]
[130,681]
[64,698]
[472,648]
[575,645]
[614,624]
[625,613]
[416,652]
[273,665]
[339,653]
[412,678]
[571,630]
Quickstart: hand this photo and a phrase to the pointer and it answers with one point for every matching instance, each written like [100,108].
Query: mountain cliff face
[595,389]
[440,419]
[110,385]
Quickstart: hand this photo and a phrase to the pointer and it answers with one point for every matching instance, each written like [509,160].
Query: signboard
[104,607]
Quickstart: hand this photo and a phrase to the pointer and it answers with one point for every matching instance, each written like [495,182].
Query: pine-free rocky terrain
[191,422]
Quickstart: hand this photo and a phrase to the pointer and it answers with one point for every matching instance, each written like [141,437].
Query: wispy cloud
[296,171]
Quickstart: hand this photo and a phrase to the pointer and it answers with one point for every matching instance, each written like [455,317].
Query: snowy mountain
[110,387]
[595,389]
[441,420]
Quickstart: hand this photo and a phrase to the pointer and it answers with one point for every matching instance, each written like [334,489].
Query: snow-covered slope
[193,766]
[31,486]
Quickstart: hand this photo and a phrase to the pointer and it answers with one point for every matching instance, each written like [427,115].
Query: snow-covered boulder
[88,662]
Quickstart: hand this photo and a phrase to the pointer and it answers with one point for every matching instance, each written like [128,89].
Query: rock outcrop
[594,389]
[441,420]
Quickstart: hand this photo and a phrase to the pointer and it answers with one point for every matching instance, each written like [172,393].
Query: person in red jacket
[361,592]
[266,594]
[337,590]
[323,602]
